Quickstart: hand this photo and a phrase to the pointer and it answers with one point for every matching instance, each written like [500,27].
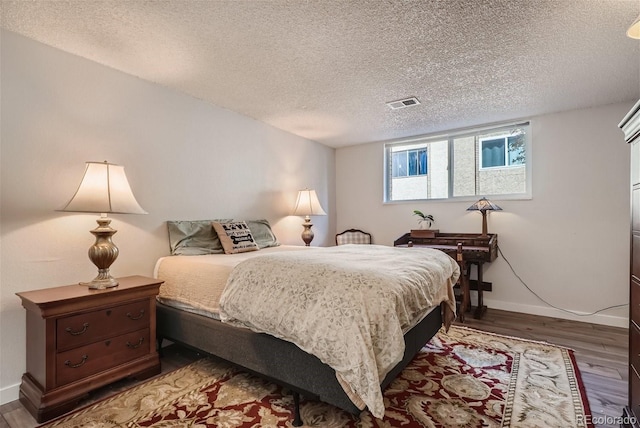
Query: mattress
[195,283]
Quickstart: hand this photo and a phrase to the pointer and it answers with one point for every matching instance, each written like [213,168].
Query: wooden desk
[476,250]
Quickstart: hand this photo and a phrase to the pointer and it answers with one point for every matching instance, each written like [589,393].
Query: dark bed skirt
[276,359]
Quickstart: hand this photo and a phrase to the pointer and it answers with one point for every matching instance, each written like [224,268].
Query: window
[407,163]
[481,162]
[501,151]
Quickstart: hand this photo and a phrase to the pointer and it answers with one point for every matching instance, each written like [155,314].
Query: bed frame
[276,359]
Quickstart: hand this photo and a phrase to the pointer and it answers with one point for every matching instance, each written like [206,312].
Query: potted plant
[425,221]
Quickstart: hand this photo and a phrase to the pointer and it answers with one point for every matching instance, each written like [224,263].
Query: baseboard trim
[602,319]
[9,393]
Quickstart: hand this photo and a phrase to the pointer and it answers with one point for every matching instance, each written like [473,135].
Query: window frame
[450,136]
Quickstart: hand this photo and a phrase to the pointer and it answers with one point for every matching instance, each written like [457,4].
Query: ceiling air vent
[407,102]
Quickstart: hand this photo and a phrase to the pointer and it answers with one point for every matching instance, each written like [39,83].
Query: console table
[476,249]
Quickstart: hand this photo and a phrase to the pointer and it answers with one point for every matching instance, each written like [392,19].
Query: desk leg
[481,309]
[465,304]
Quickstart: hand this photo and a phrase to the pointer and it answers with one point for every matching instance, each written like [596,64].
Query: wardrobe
[631,127]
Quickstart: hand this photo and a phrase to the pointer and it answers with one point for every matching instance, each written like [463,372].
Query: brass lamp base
[307,233]
[103,253]
[102,281]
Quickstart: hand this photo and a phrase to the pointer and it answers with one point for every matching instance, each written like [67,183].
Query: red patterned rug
[464,378]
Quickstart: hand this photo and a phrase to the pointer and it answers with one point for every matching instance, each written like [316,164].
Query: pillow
[235,237]
[262,233]
[194,238]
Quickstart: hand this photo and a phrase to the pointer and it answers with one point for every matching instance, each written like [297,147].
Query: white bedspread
[347,305]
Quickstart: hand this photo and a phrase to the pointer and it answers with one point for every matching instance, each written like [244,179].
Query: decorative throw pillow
[194,237]
[262,233]
[235,237]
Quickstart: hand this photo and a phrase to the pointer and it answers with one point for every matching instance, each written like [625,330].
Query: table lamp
[104,189]
[484,205]
[308,205]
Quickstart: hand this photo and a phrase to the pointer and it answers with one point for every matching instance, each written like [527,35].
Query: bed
[201,292]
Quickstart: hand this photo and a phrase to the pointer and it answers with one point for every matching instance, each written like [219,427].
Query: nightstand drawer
[90,327]
[96,357]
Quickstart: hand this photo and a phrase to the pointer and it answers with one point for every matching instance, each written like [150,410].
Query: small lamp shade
[104,189]
[483,205]
[308,205]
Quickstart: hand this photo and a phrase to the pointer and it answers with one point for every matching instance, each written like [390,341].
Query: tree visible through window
[487,162]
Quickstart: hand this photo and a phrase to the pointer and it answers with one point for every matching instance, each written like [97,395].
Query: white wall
[569,243]
[185,159]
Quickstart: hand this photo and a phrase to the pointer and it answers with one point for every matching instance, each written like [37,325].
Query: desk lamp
[484,205]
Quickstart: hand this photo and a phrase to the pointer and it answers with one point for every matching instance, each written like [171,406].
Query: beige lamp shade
[104,189]
[308,204]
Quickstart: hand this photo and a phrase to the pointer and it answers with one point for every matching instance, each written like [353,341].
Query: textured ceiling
[323,69]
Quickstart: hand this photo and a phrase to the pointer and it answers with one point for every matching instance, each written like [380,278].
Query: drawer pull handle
[131,317]
[75,366]
[137,345]
[85,326]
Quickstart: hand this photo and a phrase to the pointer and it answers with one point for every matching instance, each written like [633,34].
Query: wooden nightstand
[80,339]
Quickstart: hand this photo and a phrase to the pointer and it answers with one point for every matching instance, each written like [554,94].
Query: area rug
[463,378]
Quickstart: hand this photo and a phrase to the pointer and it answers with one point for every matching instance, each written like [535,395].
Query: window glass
[413,162]
[400,164]
[484,162]
[516,150]
[493,152]
[422,159]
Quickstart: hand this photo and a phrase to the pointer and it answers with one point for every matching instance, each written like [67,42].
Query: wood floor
[601,353]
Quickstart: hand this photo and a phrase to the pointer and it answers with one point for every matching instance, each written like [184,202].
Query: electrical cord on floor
[550,304]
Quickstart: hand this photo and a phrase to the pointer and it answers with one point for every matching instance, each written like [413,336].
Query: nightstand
[80,339]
